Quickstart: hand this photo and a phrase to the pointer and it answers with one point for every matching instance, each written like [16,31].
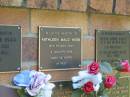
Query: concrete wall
[30,19]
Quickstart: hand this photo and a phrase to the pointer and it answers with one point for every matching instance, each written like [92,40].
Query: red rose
[109,81]
[124,66]
[88,87]
[93,68]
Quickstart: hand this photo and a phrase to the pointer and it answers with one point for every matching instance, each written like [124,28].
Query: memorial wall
[55,38]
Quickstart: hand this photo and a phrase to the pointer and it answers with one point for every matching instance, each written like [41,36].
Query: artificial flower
[96,79]
[46,91]
[93,68]
[84,77]
[109,81]
[93,80]
[88,87]
[124,66]
[38,80]
[96,87]
[35,83]
[22,79]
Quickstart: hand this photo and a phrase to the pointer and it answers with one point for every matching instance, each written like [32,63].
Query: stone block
[58,18]
[88,49]
[123,7]
[46,4]
[74,5]
[128,7]
[6,78]
[29,49]
[5,2]
[101,6]
[14,16]
[17,3]
[108,22]
[120,7]
[62,75]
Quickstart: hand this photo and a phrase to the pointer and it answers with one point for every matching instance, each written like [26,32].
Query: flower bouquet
[33,84]
[94,80]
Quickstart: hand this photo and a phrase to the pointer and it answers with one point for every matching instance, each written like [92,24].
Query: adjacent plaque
[112,45]
[122,89]
[59,48]
[10,48]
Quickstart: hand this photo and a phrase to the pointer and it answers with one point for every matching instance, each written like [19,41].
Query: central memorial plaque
[112,45]
[10,48]
[59,48]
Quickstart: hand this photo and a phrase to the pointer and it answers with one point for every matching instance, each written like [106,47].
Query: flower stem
[95,94]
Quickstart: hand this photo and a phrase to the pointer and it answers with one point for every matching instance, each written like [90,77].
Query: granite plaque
[122,89]
[112,45]
[10,48]
[59,48]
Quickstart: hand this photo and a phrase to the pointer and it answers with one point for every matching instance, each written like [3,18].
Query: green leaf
[77,93]
[101,90]
[118,75]
[21,93]
[105,67]
[105,95]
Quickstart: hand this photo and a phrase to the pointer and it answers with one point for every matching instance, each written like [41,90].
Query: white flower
[46,91]
[76,78]
[96,79]
[38,80]
[83,77]
[96,87]
[80,83]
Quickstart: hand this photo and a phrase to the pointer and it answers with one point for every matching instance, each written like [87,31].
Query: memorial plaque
[112,45]
[10,48]
[121,90]
[59,48]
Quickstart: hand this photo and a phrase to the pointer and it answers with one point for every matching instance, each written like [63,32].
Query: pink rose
[88,87]
[109,81]
[124,66]
[93,68]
